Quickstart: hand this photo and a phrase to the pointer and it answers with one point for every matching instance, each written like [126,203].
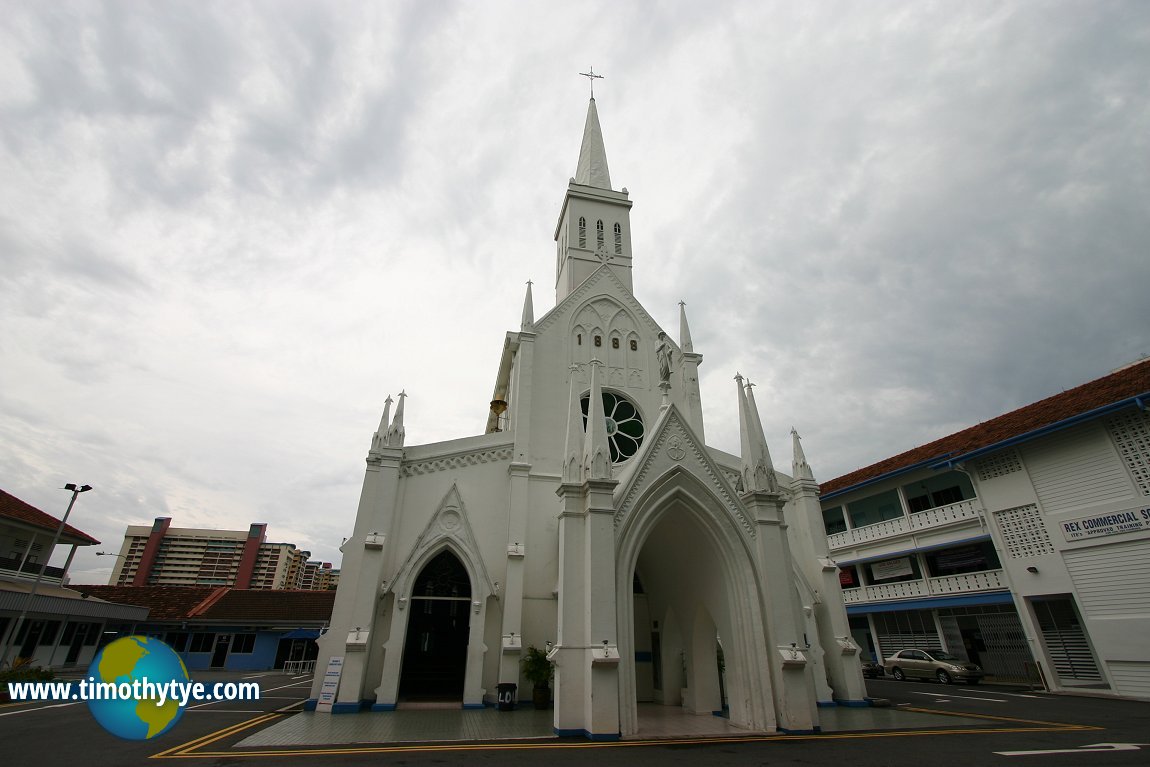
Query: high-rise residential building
[162,555]
[318,576]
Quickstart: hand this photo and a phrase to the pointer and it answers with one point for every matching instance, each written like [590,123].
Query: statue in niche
[663,354]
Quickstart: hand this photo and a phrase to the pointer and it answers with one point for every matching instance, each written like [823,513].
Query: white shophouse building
[1022,543]
[591,520]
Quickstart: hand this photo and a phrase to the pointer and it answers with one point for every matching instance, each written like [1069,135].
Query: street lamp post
[40,575]
[117,556]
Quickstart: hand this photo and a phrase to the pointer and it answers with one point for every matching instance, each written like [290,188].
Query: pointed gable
[448,528]
[603,281]
[671,447]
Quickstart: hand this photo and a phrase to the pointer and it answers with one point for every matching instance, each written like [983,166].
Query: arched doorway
[701,589]
[683,578]
[435,649]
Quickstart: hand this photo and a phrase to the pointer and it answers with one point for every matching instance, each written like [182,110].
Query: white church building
[593,522]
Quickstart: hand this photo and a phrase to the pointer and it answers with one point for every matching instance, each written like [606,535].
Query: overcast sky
[228,230]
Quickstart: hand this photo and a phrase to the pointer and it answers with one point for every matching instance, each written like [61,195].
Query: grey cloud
[227,222]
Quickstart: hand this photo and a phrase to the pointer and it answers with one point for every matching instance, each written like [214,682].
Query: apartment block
[162,555]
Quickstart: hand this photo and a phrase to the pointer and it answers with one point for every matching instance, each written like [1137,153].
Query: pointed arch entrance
[702,592]
[438,627]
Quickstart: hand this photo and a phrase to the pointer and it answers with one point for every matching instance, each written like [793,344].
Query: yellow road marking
[1056,725]
[189,750]
[212,737]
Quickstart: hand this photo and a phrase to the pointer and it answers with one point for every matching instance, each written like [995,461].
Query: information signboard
[330,686]
[1114,523]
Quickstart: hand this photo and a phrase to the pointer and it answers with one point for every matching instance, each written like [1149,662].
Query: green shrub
[536,668]
[22,670]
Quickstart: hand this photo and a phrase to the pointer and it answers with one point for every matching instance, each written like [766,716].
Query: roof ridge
[19,510]
[211,599]
[1130,382]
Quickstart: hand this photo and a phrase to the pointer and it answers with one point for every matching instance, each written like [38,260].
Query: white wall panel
[1076,468]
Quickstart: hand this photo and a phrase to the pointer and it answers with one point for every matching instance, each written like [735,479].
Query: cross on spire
[591,77]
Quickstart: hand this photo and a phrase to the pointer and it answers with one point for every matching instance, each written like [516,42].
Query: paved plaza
[655,723]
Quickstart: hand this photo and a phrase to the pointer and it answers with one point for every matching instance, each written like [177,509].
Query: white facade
[1060,491]
[629,550]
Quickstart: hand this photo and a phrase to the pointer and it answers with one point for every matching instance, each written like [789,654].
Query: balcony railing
[10,566]
[987,580]
[920,520]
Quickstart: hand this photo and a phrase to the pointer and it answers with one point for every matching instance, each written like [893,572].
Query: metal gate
[1007,651]
[907,629]
[1003,651]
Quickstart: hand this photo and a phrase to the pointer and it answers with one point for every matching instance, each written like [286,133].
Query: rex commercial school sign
[1106,524]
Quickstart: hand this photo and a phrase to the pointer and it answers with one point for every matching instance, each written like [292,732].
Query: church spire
[744,429]
[594,226]
[379,439]
[758,471]
[573,457]
[800,468]
[592,169]
[527,324]
[684,330]
[395,432]
[596,450]
[762,454]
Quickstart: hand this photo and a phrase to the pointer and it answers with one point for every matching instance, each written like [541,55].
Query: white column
[795,702]
[387,693]
[476,650]
[602,640]
[570,685]
[513,589]
[358,595]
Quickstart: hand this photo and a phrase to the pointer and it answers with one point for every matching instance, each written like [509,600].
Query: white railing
[900,590]
[959,584]
[299,666]
[877,531]
[920,520]
[10,568]
[988,580]
[945,515]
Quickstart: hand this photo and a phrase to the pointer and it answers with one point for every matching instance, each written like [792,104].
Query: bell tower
[595,222]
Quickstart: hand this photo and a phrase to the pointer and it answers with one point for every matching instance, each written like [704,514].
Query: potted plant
[538,670]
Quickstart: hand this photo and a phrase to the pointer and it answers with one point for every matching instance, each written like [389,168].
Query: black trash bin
[507,696]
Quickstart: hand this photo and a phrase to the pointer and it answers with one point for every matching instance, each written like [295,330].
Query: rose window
[624,424]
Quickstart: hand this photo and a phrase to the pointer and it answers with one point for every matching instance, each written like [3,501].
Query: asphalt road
[1068,730]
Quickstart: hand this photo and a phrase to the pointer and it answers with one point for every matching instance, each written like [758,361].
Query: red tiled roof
[164,603]
[13,508]
[218,603]
[1130,381]
[272,606]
